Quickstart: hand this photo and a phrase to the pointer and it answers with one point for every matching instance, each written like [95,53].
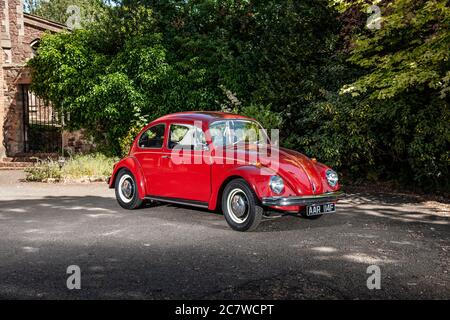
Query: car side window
[220,133]
[153,137]
[186,136]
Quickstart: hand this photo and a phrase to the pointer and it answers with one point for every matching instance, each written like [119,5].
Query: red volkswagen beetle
[218,160]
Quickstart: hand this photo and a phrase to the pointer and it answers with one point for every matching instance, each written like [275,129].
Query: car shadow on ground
[354,207]
[176,252]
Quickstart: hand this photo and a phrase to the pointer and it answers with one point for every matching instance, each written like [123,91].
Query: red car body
[201,183]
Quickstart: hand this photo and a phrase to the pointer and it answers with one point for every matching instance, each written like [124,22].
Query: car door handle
[165,157]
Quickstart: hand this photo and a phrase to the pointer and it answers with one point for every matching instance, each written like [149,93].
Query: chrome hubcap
[237,203]
[126,188]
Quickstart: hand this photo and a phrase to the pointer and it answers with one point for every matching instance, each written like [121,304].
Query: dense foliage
[372,103]
[406,83]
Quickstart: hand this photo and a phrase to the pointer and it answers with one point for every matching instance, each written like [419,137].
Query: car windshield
[233,132]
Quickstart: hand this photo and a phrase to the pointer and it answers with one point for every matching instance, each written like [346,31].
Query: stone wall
[4,44]
[76,142]
[2,105]
[13,115]
[13,59]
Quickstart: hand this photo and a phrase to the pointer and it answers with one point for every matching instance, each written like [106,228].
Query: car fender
[257,177]
[132,164]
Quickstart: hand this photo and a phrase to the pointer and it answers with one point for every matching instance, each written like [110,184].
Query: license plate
[318,209]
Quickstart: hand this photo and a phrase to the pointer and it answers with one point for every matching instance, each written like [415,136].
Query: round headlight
[332,178]
[276,184]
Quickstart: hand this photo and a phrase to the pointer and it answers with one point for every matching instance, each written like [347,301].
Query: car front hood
[303,176]
[301,173]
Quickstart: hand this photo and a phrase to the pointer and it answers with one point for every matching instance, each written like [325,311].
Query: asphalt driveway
[173,252]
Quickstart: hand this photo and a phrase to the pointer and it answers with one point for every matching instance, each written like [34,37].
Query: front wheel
[241,207]
[126,190]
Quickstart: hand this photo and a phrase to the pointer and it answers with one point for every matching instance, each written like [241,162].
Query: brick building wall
[4,44]
[18,32]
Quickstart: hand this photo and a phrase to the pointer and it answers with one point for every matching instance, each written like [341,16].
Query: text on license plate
[318,209]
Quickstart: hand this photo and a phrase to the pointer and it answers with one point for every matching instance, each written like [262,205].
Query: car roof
[208,116]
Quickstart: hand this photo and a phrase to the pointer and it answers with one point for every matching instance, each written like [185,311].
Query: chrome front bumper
[302,200]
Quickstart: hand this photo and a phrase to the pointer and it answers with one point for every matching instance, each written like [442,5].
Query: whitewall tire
[241,206]
[127,191]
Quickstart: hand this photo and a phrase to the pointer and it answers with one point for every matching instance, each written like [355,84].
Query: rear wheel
[240,206]
[126,190]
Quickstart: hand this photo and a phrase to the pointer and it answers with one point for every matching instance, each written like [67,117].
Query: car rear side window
[153,137]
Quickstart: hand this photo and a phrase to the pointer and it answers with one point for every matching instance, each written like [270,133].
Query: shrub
[263,114]
[126,141]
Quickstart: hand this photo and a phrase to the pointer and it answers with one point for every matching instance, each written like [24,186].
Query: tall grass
[94,166]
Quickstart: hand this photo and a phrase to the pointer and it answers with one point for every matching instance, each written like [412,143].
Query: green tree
[202,47]
[372,103]
[411,50]
[266,52]
[405,80]
[103,78]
